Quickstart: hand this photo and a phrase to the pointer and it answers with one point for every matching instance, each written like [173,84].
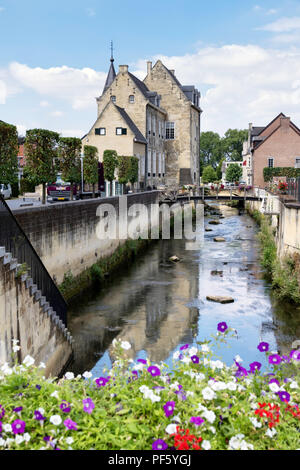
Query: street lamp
[81,160]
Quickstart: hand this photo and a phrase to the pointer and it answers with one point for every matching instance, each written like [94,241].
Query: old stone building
[274,145]
[156,120]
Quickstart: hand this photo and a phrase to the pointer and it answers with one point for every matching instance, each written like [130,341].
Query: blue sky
[243,56]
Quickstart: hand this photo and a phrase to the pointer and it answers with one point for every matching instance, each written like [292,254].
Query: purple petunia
[65,406]
[255,366]
[274,359]
[142,361]
[38,387]
[70,424]
[181,396]
[154,371]
[222,327]
[284,396]
[18,426]
[196,420]
[18,409]
[88,405]
[274,381]
[38,416]
[295,355]
[159,445]
[263,347]
[2,411]
[0,427]
[101,381]
[195,359]
[169,408]
[184,347]
[241,372]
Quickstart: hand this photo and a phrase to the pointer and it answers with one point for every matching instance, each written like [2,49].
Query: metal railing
[15,241]
[293,188]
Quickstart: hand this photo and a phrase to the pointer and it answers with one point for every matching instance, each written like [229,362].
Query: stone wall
[64,235]
[23,318]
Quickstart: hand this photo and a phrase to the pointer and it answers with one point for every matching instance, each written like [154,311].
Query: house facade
[275,145]
[156,120]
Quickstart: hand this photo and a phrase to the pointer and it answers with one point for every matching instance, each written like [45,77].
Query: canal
[158,305]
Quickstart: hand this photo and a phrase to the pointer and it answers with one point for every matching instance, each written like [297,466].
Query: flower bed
[202,404]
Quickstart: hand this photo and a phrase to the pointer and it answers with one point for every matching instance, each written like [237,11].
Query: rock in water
[220,299]
[219,239]
[174,258]
[208,230]
[214,222]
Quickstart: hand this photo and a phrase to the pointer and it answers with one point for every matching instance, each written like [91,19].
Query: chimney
[285,123]
[149,67]
[123,68]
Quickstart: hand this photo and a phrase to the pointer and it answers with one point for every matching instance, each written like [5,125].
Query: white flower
[206,445]
[206,361]
[87,375]
[208,394]
[238,358]
[138,366]
[16,348]
[143,388]
[271,433]
[193,351]
[19,439]
[232,386]
[199,377]
[42,365]
[125,345]
[205,348]
[171,429]
[2,442]
[202,408]
[218,386]
[115,342]
[212,429]
[189,394]
[294,385]
[255,422]
[274,387]
[8,441]
[26,437]
[69,376]
[174,385]
[216,364]
[154,397]
[69,440]
[186,360]
[28,361]
[41,410]
[176,419]
[56,420]
[209,416]
[237,443]
[176,355]
[7,427]
[54,394]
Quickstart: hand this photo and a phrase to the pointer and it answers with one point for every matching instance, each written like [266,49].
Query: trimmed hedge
[289,172]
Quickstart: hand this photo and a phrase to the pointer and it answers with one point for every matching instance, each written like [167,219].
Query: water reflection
[158,305]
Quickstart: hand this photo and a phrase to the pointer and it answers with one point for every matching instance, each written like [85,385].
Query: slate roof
[110,76]
[137,133]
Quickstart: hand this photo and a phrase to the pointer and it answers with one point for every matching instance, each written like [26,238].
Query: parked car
[5,190]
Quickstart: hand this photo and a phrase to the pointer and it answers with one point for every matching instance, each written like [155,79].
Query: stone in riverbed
[214,222]
[219,239]
[175,259]
[208,230]
[220,299]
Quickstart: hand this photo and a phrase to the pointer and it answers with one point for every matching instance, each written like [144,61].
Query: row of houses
[275,145]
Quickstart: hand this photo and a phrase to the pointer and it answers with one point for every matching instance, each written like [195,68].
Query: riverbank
[284,274]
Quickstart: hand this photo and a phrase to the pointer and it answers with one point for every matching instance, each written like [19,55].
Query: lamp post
[81,160]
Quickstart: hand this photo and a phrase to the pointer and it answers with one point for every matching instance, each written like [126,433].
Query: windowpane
[271,162]
[170,130]
[119,130]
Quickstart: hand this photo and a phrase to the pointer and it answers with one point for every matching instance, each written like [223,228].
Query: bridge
[255,194]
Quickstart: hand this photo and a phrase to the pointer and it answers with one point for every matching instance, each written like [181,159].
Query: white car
[5,190]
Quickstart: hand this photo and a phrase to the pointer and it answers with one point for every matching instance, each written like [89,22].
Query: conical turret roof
[110,76]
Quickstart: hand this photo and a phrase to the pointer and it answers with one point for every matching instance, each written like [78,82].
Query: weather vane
[112,51]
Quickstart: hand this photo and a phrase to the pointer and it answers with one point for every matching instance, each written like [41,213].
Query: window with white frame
[297,163]
[154,164]
[149,162]
[170,130]
[154,124]
[159,165]
[113,98]
[100,131]
[121,131]
[149,123]
[131,99]
[271,162]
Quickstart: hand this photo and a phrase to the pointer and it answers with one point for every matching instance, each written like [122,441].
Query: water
[158,305]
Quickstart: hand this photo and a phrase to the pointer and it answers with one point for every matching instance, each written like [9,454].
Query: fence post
[231,194]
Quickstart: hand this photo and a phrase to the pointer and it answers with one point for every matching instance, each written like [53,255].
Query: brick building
[156,120]
[275,145]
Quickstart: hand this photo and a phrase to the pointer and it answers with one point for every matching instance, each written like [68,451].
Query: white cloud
[243,83]
[272,11]
[44,104]
[282,25]
[79,87]
[56,113]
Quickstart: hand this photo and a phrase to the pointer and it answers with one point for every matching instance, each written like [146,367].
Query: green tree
[69,160]
[41,149]
[123,169]
[232,144]
[90,165]
[110,164]
[8,153]
[211,150]
[234,172]
[208,174]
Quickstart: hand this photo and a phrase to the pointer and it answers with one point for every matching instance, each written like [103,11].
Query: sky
[244,57]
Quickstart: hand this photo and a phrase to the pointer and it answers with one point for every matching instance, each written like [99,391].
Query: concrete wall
[23,318]
[65,237]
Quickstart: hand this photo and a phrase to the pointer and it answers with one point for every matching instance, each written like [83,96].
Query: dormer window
[113,98]
[131,99]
